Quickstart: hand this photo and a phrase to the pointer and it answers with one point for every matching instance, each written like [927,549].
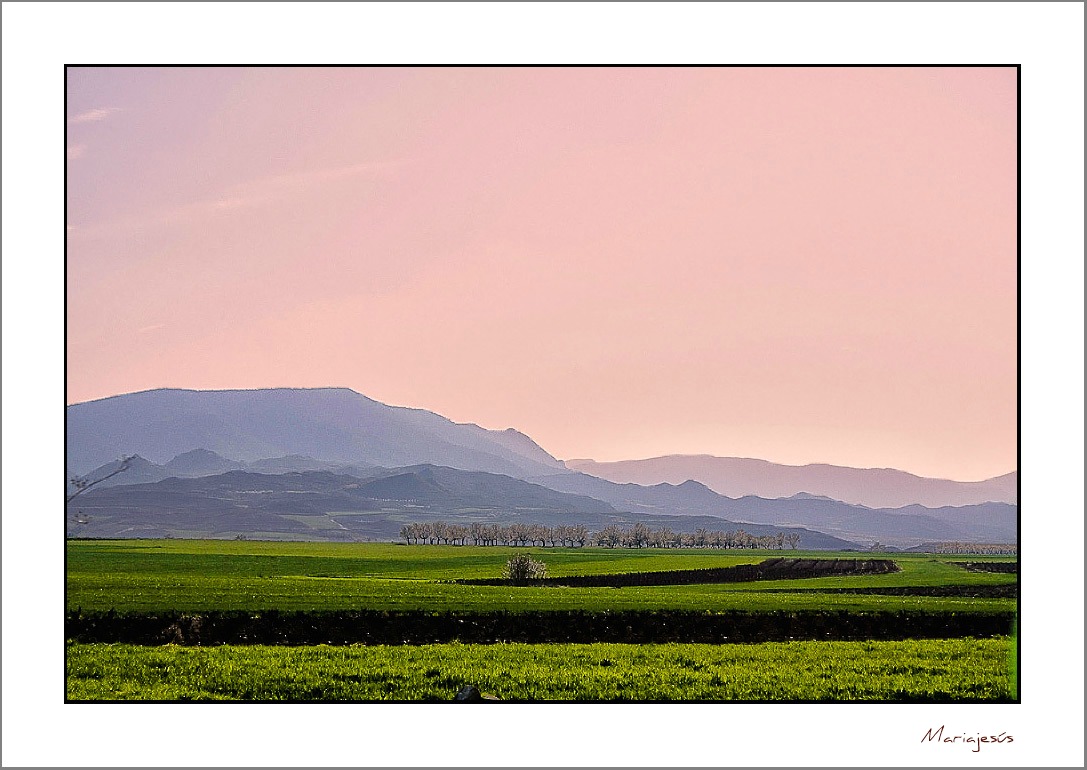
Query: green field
[129,582]
[925,670]
[189,575]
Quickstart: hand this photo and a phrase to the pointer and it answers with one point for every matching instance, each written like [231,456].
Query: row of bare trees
[439,532]
[638,535]
[981,549]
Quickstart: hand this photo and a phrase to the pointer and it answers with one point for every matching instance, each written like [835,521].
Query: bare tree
[457,532]
[639,535]
[609,536]
[519,534]
[537,533]
[81,484]
[661,537]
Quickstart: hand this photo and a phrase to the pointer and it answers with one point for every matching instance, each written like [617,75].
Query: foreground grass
[926,670]
[225,575]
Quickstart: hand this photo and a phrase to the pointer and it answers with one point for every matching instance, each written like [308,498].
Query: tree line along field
[274,589]
[637,535]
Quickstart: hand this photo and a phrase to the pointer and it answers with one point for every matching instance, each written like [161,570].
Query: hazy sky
[802,265]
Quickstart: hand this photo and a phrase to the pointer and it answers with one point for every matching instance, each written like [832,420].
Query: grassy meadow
[191,575]
[146,579]
[911,670]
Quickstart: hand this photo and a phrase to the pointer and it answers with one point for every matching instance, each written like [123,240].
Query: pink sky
[802,265]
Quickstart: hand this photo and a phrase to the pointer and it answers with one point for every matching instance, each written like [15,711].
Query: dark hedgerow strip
[1001,567]
[998,591]
[770,569]
[412,627]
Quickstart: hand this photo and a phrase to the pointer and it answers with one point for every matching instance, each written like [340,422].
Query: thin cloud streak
[277,186]
[76,151]
[244,195]
[93,116]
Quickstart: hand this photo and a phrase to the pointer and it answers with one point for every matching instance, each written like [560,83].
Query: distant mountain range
[212,463]
[321,505]
[203,462]
[332,424]
[988,522]
[400,494]
[740,477]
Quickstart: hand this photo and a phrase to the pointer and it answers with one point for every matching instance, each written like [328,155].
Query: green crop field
[187,575]
[246,591]
[916,670]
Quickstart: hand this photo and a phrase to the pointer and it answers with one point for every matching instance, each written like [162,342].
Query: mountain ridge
[994,522]
[332,424]
[871,487]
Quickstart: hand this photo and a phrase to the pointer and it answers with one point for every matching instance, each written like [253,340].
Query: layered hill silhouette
[740,477]
[986,522]
[386,464]
[203,462]
[472,495]
[330,424]
[321,505]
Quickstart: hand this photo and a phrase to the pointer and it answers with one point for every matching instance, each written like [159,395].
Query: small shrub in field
[524,567]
